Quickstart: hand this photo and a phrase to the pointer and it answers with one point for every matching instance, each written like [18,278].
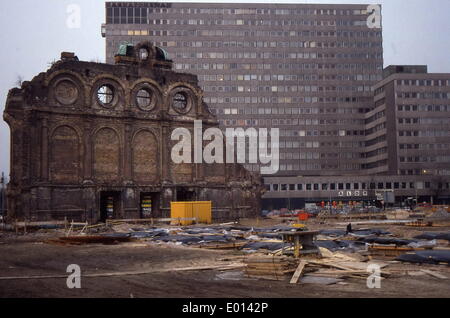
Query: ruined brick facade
[91,141]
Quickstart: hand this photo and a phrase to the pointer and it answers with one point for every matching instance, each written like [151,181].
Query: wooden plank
[39,223]
[330,265]
[298,272]
[149,220]
[360,265]
[434,274]
[272,263]
[222,246]
[352,272]
[265,272]
[249,267]
[193,268]
[267,277]
[268,259]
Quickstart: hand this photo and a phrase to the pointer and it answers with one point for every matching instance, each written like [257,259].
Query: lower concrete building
[92,141]
[296,192]
[406,150]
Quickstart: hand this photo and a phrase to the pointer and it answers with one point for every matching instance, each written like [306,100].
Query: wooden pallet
[276,268]
[419,224]
[223,246]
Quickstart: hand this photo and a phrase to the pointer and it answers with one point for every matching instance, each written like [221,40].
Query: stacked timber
[270,267]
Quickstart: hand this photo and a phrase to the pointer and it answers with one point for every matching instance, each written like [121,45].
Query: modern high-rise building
[412,111]
[308,69]
[407,146]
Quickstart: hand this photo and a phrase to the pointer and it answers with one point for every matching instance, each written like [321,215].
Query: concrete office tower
[413,106]
[310,70]
[307,69]
[407,147]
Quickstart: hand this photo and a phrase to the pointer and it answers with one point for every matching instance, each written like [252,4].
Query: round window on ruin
[105,94]
[143,54]
[144,98]
[180,101]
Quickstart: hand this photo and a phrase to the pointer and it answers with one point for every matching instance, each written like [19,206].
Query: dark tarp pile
[434,236]
[256,238]
[367,232]
[149,234]
[360,232]
[328,244]
[341,245]
[385,240]
[183,239]
[271,246]
[333,232]
[427,257]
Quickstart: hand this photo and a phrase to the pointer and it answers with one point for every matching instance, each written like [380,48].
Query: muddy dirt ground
[28,255]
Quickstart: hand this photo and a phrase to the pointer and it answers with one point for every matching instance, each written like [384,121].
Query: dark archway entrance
[185,194]
[149,204]
[110,203]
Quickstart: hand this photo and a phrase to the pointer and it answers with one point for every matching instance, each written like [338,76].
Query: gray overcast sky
[35,32]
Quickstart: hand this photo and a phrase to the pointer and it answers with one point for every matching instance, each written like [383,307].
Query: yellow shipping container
[201,210]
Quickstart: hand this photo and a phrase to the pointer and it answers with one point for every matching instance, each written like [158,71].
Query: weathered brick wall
[71,148]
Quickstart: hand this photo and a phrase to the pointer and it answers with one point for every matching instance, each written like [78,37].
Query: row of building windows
[427,95]
[287,89]
[312,167]
[375,153]
[271,44]
[293,121]
[430,146]
[437,159]
[439,172]
[424,133]
[316,155]
[143,17]
[274,55]
[378,91]
[164,8]
[287,77]
[375,129]
[278,33]
[152,20]
[425,121]
[258,44]
[424,82]
[355,186]
[424,108]
[294,154]
[296,111]
[280,66]
[372,165]
[147,16]
[289,122]
[375,140]
[239,33]
[376,116]
[290,100]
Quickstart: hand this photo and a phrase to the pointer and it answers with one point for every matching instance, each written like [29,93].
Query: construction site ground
[25,256]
